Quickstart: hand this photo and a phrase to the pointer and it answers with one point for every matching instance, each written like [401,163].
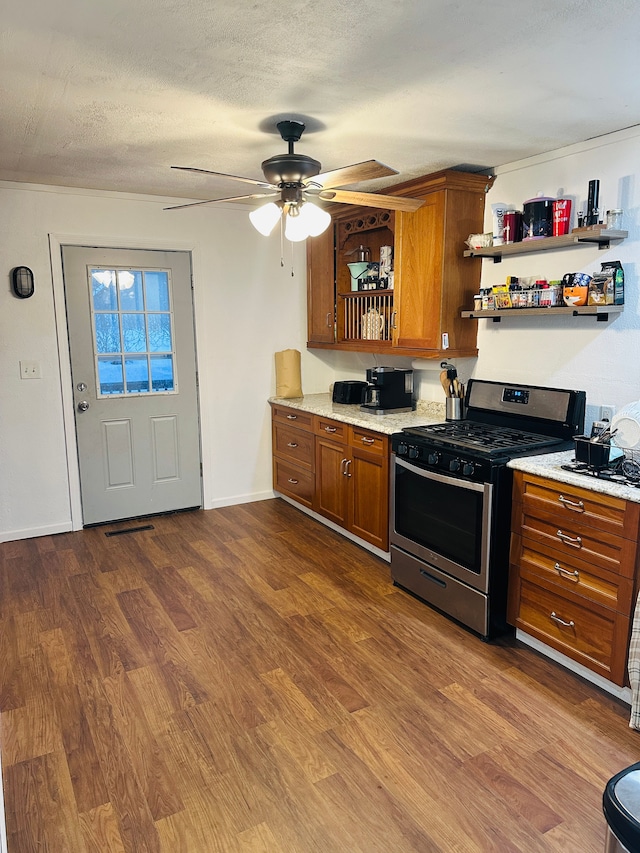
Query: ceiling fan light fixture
[265,218]
[315,218]
[295,229]
[305,220]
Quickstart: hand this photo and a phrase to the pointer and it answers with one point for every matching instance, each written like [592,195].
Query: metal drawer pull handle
[292,444]
[346,468]
[560,621]
[292,417]
[329,324]
[576,507]
[569,540]
[331,429]
[343,468]
[368,440]
[562,571]
[433,579]
[294,482]
[393,319]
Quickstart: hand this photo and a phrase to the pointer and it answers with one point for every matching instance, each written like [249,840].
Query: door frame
[56,242]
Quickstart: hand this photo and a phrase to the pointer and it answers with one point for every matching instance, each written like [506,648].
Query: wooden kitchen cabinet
[338,470]
[321,288]
[352,481]
[433,282]
[293,443]
[572,582]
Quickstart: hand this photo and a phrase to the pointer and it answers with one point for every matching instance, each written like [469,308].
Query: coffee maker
[389,389]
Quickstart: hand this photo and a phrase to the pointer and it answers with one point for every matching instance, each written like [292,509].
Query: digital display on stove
[515,395]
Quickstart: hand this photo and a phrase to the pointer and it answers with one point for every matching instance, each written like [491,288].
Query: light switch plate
[30,370]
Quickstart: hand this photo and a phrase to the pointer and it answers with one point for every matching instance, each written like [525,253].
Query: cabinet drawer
[573,576]
[331,429]
[584,631]
[601,549]
[374,442]
[295,482]
[294,445]
[574,506]
[293,417]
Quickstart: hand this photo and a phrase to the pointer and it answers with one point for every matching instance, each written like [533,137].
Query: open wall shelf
[600,312]
[602,236]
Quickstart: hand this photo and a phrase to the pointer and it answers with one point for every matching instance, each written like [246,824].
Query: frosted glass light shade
[265,218]
[316,219]
[310,221]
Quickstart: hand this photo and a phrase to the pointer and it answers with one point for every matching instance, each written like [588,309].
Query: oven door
[442,520]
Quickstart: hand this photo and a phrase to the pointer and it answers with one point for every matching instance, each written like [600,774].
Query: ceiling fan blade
[214,200]
[390,202]
[263,184]
[366,171]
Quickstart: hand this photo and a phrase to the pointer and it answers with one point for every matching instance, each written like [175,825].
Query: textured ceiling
[110,94]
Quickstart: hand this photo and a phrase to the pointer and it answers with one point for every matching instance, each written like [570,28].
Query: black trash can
[621,806]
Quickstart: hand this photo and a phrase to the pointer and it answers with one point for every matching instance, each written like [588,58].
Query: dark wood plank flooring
[244,679]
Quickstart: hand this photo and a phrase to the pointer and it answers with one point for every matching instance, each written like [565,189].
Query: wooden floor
[244,679]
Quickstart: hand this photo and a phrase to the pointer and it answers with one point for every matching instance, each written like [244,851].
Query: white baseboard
[3,824]
[623,693]
[32,532]
[233,500]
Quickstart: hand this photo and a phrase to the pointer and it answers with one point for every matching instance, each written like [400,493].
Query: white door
[133,367]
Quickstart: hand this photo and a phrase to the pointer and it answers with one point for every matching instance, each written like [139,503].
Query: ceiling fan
[295,180]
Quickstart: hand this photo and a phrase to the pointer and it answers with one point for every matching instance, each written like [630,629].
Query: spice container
[614,219]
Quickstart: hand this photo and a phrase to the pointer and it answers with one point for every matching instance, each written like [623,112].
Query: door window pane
[104,296]
[157,289]
[137,373]
[110,375]
[130,288]
[107,333]
[159,332]
[133,322]
[134,338]
[162,372]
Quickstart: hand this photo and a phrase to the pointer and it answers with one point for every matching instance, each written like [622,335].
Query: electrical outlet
[30,370]
[607,413]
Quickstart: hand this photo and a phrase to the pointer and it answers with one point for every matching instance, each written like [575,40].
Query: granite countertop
[549,465]
[321,404]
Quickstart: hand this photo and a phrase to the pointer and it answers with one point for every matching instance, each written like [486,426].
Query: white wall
[566,352]
[247,308]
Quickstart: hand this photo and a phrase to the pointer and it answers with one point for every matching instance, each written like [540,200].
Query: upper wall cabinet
[421,315]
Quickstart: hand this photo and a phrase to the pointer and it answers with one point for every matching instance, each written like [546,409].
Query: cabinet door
[369,497]
[321,288]
[331,481]
[418,274]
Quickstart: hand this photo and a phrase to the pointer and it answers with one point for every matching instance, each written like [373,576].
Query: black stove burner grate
[483,437]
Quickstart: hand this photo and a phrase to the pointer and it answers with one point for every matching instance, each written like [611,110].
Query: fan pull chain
[292,272]
[282,241]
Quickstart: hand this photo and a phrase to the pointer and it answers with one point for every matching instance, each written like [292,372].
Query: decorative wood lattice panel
[367,316]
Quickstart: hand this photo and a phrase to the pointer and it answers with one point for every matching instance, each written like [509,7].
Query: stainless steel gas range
[451,496]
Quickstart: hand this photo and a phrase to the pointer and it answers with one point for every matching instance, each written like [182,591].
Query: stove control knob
[402,449]
[413,453]
[468,469]
[454,465]
[433,458]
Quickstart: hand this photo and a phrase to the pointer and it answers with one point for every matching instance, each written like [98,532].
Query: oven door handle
[441,478]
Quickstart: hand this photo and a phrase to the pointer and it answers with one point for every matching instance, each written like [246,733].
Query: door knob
[83,406]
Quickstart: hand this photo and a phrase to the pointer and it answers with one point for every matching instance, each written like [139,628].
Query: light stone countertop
[322,404]
[549,465]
